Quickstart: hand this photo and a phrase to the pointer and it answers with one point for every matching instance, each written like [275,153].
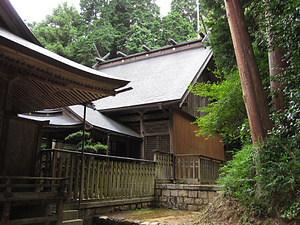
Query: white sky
[36,10]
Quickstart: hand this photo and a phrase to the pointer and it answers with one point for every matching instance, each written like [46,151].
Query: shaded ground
[221,212]
[162,216]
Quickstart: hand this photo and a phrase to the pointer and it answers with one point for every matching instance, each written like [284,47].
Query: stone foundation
[185,197]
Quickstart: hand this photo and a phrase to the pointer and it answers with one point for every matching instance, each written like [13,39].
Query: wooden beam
[156,134]
[136,118]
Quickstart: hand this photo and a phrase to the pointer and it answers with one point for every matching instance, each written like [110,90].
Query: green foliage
[276,172]
[59,31]
[130,24]
[90,146]
[176,27]
[279,175]
[76,137]
[226,113]
[238,175]
[269,182]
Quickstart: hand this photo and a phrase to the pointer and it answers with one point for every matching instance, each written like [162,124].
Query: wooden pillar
[4,122]
[127,148]
[254,96]
[171,131]
[172,148]
[142,133]
[108,144]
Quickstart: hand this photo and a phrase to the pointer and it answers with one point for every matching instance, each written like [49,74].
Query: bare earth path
[158,216]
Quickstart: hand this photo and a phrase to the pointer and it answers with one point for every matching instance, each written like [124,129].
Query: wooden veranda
[102,177]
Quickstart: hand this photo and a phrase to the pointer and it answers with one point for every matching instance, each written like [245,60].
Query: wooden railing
[30,191]
[164,167]
[104,177]
[195,168]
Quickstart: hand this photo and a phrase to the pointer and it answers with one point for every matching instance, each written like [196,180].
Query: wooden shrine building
[160,106]
[33,78]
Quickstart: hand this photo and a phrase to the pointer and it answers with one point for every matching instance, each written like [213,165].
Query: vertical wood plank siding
[105,177]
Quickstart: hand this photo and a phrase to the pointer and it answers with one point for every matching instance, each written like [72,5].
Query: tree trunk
[254,96]
[276,63]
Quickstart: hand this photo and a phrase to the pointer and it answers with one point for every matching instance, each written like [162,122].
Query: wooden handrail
[32,178]
[117,158]
[198,155]
[161,152]
[105,177]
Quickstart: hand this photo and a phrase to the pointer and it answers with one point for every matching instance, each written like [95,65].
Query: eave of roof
[54,61]
[102,122]
[43,79]
[55,120]
[10,19]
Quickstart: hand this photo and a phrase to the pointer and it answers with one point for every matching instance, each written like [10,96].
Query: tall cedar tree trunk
[254,96]
[276,63]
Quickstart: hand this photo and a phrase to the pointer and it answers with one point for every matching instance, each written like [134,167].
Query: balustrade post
[199,169]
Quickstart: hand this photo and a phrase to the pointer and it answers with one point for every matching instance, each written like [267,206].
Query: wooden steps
[73,222]
[70,215]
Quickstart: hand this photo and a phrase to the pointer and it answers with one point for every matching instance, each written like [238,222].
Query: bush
[238,177]
[90,145]
[271,186]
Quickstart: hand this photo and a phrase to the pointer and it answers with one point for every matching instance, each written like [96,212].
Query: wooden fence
[186,168]
[197,168]
[103,177]
[34,191]
[164,167]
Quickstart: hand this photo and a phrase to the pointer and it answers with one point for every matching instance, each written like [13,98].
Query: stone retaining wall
[185,197]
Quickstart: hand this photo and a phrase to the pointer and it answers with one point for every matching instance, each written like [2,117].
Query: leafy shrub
[238,177]
[90,145]
[270,183]
[76,137]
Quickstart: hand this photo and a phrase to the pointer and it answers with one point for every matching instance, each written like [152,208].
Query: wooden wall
[21,145]
[186,142]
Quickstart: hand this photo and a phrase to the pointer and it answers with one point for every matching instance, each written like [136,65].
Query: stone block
[163,198]
[202,194]
[133,206]
[211,195]
[183,193]
[174,193]
[192,194]
[180,200]
[145,205]
[172,202]
[205,201]
[198,201]
[125,207]
[158,192]
[189,200]
[166,192]
[192,207]
[201,207]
